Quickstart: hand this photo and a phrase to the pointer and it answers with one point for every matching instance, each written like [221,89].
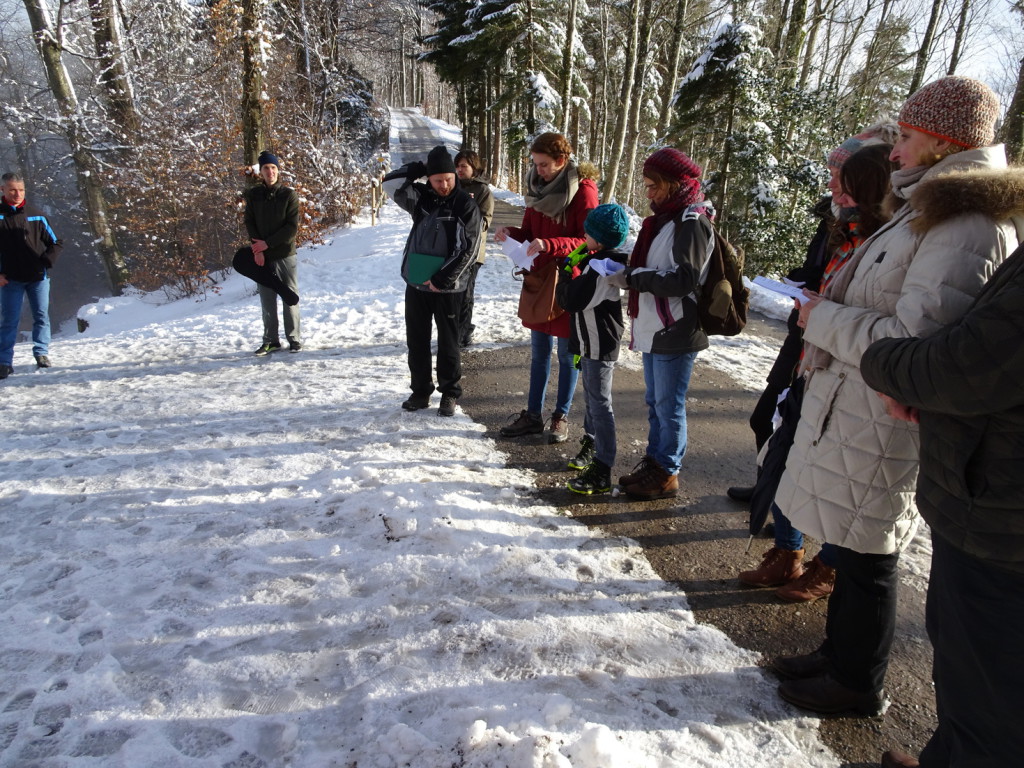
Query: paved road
[415,143]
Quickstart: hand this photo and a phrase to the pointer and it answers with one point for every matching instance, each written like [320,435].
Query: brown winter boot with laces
[817,582]
[655,484]
[779,566]
[639,472]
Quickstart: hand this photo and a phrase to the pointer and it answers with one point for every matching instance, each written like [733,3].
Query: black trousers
[861,620]
[466,312]
[975,619]
[422,310]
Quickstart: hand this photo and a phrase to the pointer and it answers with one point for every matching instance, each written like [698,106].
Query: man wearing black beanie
[441,248]
[272,223]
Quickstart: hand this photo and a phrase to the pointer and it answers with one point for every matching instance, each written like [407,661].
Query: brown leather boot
[655,484]
[639,472]
[817,582]
[779,566]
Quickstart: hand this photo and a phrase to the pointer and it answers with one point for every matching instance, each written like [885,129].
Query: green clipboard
[421,267]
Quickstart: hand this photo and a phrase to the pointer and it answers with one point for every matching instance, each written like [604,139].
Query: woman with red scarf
[662,277]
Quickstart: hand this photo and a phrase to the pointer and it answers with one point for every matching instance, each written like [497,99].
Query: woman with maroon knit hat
[662,277]
[852,471]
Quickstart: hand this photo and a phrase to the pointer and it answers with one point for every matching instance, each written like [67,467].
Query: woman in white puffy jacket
[852,471]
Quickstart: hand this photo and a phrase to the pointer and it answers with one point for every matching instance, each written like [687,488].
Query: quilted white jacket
[852,471]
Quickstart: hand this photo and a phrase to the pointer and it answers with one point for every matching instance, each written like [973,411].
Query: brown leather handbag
[537,302]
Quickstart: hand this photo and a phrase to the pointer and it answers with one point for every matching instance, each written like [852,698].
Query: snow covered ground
[213,559]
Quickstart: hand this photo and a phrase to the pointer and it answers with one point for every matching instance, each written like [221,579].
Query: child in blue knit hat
[595,321]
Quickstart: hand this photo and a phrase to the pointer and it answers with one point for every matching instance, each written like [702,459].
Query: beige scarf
[552,197]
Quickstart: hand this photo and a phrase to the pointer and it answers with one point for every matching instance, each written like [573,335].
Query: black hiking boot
[416,402]
[447,405]
[586,455]
[596,478]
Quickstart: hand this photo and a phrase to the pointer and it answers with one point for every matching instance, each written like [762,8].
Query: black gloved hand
[410,171]
[416,170]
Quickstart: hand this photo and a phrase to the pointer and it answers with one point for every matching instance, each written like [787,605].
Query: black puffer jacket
[28,246]
[968,382]
[272,215]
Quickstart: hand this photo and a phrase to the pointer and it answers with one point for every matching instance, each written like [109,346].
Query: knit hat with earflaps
[439,161]
[957,109]
[608,224]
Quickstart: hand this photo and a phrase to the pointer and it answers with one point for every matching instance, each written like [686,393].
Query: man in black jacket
[28,250]
[436,267]
[965,386]
[272,223]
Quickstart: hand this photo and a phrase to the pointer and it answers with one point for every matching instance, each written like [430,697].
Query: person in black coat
[28,250]
[965,387]
[272,223]
[436,266]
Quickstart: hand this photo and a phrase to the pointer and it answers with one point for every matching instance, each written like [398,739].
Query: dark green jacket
[968,382]
[272,215]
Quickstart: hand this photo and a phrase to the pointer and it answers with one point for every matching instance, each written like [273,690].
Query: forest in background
[756,91]
[144,116]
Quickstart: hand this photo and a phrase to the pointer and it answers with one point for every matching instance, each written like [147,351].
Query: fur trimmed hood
[974,181]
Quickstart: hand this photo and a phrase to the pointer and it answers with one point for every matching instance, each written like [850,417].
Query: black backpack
[722,299]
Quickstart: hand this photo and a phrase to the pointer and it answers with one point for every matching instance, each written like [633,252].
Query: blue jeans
[788,537]
[599,420]
[11,298]
[667,378]
[541,345]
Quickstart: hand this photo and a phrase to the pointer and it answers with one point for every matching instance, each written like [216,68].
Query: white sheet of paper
[516,251]
[792,291]
[606,267]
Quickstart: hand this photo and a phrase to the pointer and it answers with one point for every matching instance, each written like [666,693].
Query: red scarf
[688,194]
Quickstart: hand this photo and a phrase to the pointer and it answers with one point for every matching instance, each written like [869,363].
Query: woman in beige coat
[852,470]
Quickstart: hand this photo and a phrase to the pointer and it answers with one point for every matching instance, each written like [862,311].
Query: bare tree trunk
[625,97]
[252,82]
[780,30]
[113,68]
[790,53]
[724,169]
[567,66]
[812,42]
[404,85]
[854,39]
[1012,132]
[89,178]
[644,46]
[867,96]
[958,40]
[926,47]
[672,68]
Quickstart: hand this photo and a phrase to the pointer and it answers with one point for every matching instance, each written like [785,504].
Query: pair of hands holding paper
[535,247]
